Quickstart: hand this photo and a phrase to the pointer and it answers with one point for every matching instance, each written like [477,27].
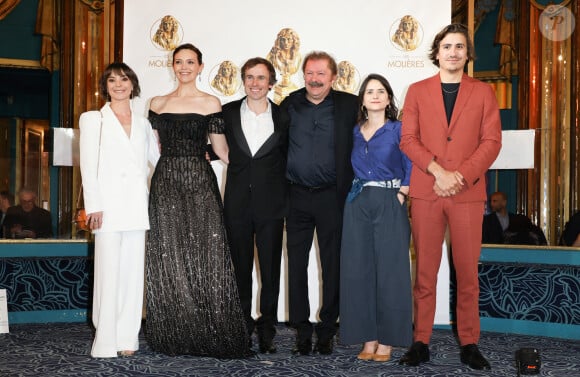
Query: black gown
[193,305]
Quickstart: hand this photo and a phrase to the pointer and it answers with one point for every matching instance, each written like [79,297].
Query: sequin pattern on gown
[192,299]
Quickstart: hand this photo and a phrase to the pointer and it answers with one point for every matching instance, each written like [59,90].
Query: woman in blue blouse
[375,281]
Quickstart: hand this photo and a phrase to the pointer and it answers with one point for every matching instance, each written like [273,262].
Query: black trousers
[268,239]
[312,209]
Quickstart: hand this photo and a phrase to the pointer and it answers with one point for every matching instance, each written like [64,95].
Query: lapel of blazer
[465,91]
[237,131]
[436,99]
[272,141]
[110,122]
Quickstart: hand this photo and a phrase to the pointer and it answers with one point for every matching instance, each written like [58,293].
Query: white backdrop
[358,32]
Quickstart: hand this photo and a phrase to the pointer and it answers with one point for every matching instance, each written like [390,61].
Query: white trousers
[118,291]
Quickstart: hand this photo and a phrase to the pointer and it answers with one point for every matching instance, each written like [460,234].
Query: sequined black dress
[192,299]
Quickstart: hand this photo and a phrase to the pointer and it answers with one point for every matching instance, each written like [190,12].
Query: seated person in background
[6,201]
[26,220]
[503,227]
[522,231]
[571,234]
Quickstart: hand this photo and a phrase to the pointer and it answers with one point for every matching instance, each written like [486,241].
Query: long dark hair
[391,110]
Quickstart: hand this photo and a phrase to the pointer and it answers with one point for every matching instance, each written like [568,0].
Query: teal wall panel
[17,33]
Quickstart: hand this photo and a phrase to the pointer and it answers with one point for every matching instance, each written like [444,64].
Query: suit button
[448,138]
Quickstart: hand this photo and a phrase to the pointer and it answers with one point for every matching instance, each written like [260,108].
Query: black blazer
[257,182]
[345,116]
[520,231]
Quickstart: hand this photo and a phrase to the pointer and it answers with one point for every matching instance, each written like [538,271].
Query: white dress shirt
[257,128]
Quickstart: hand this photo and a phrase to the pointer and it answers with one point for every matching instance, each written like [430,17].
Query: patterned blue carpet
[62,349]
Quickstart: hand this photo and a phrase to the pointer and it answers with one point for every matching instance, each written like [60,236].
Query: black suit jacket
[257,182]
[345,116]
[38,220]
[520,231]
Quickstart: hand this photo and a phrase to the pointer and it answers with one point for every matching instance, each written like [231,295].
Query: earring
[199,76]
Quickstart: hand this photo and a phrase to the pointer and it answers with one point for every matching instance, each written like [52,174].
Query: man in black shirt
[320,121]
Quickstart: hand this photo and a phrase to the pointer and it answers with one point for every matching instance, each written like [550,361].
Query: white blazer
[119,186]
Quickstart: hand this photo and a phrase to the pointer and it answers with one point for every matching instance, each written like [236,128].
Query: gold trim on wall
[489,75]
[7,6]
[95,6]
[20,63]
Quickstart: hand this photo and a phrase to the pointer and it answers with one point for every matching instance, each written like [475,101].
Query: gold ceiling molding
[95,5]
[7,6]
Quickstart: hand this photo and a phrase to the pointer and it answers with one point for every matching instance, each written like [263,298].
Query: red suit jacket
[469,144]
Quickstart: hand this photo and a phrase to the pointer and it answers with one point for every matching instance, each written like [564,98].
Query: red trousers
[429,221]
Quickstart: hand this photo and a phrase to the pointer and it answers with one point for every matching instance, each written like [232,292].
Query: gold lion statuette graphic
[407,34]
[226,80]
[167,35]
[346,80]
[285,57]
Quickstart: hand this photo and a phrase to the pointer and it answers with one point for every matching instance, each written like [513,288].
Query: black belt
[312,188]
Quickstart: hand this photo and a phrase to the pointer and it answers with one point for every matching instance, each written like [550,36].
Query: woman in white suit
[116,147]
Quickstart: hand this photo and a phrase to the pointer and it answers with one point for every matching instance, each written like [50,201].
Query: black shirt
[449,96]
[311,159]
[38,220]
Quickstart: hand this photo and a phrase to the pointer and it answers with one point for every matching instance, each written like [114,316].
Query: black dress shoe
[266,345]
[302,347]
[324,346]
[417,354]
[471,356]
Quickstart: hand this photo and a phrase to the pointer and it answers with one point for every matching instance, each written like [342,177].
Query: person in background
[375,278]
[496,222]
[6,201]
[117,145]
[319,122]
[502,226]
[257,167]
[193,306]
[571,234]
[27,220]
[452,134]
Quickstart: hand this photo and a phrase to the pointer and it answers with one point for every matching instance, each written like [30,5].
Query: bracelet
[404,195]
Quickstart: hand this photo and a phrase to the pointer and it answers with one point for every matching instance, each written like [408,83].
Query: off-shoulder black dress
[193,305]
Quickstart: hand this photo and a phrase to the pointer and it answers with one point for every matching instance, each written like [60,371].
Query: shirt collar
[246,109]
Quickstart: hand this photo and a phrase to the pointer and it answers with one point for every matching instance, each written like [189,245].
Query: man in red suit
[452,134]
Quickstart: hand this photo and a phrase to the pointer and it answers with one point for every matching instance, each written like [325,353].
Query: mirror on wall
[24,164]
[24,155]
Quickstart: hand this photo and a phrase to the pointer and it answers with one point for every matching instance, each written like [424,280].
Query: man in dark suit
[497,222]
[501,226]
[255,200]
[452,134]
[26,220]
[320,125]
